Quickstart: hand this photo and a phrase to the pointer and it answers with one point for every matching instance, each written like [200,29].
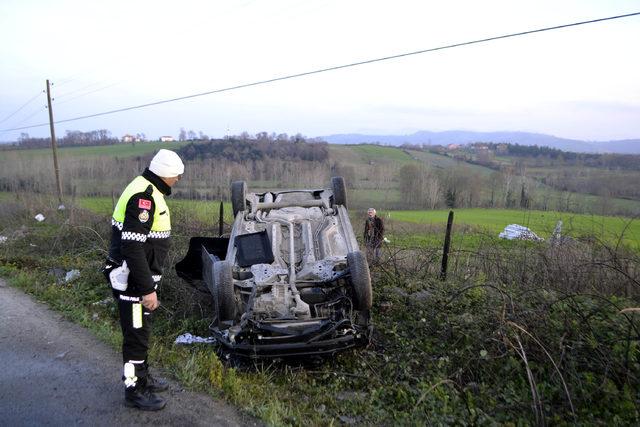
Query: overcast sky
[581,82]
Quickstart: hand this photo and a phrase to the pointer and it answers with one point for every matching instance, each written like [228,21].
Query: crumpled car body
[290,279]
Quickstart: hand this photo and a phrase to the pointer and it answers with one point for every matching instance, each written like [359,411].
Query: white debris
[61,207]
[192,339]
[71,275]
[39,217]
[3,239]
[105,301]
[556,237]
[386,240]
[519,232]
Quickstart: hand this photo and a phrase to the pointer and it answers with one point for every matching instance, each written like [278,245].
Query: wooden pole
[220,220]
[53,144]
[445,249]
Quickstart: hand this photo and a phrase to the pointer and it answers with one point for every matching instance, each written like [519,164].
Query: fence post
[220,219]
[445,249]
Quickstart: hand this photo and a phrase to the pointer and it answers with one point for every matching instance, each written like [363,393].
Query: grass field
[486,221]
[493,221]
[119,150]
[367,153]
[206,212]
[443,162]
[375,174]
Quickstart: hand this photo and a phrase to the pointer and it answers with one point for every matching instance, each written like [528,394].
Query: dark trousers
[136,322]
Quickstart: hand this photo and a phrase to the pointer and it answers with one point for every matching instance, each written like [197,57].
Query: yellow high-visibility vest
[161,220]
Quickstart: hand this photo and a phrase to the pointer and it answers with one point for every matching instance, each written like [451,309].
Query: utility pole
[53,144]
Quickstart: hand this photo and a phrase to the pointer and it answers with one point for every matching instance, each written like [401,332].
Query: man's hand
[150,301]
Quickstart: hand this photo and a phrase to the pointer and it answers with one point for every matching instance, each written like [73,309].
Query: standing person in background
[139,244]
[373,235]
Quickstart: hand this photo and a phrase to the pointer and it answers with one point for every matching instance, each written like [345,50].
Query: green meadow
[117,150]
[493,221]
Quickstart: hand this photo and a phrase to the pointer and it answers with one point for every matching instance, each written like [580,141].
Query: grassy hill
[372,171]
[118,150]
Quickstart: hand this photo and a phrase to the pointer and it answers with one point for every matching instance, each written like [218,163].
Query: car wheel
[360,280]
[224,294]
[238,196]
[339,191]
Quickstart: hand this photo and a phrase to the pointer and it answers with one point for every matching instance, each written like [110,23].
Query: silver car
[290,280]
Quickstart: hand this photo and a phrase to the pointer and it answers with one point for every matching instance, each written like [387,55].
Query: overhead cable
[334,68]
[19,109]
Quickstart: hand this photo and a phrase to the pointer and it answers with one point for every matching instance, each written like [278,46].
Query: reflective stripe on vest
[161,223]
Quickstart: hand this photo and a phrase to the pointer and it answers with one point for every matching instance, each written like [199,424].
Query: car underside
[290,279]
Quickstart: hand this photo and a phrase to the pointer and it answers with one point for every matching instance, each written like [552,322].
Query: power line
[43,108]
[338,67]
[72,92]
[19,109]
[86,93]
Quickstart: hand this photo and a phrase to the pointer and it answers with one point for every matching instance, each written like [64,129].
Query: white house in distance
[139,137]
[166,139]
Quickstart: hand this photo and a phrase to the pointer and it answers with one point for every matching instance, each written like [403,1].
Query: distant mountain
[628,146]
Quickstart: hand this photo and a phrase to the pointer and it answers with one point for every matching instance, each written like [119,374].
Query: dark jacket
[146,251]
[373,231]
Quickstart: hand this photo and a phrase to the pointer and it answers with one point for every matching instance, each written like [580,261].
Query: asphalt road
[53,372]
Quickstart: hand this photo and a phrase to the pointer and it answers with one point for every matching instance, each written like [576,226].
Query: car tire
[224,293]
[339,191]
[360,280]
[238,196]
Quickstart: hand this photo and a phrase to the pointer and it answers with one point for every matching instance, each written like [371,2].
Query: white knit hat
[166,164]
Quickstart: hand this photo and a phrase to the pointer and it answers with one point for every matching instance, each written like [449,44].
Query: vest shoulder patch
[144,204]
[144,216]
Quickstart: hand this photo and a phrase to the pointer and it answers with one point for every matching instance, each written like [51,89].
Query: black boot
[156,385]
[142,398]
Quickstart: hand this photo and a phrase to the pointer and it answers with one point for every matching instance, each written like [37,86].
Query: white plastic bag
[119,277]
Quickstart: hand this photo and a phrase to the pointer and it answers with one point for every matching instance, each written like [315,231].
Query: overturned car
[290,279]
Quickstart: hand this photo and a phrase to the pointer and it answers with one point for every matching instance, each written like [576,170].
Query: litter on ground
[193,339]
[519,232]
[71,275]
[39,217]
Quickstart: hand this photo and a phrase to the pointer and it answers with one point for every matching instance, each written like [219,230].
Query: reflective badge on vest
[144,204]
[144,216]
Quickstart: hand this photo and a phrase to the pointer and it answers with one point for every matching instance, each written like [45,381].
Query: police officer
[141,228]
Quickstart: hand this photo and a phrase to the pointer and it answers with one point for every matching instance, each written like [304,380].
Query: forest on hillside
[408,177]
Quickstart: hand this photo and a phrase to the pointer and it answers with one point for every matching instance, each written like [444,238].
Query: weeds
[520,333]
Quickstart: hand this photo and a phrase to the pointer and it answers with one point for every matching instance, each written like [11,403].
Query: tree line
[71,138]
[239,150]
